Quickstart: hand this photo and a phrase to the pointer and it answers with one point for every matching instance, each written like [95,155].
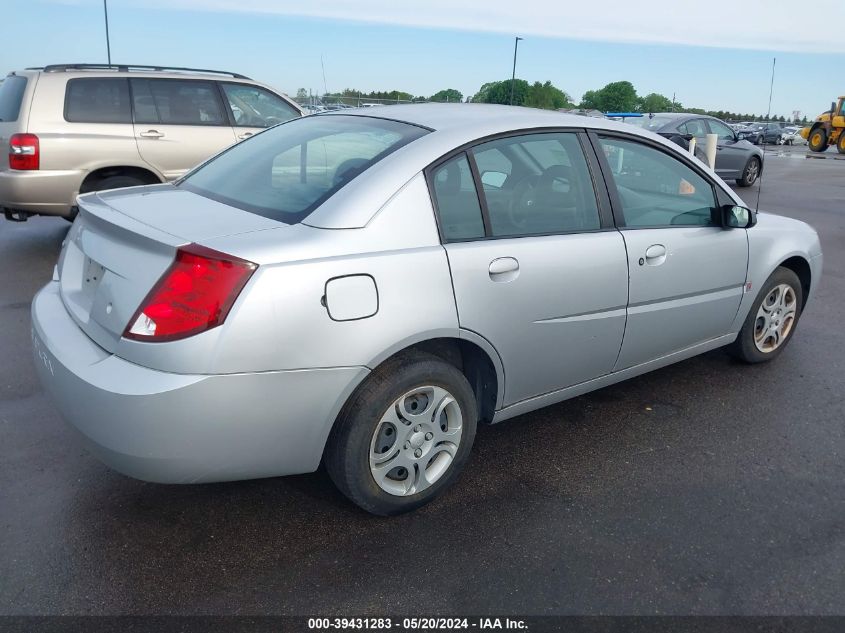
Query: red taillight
[24,151]
[194,295]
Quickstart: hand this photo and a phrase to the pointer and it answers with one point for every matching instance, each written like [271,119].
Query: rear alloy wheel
[840,142]
[750,173]
[772,319]
[817,140]
[404,436]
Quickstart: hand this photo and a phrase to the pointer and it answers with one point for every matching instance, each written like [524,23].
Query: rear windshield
[289,170]
[11,96]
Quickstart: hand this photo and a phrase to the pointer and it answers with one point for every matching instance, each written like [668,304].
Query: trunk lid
[123,241]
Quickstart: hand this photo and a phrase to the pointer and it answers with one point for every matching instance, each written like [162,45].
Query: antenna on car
[768,117]
[759,184]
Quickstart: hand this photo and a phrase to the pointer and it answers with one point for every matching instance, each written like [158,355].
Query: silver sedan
[363,288]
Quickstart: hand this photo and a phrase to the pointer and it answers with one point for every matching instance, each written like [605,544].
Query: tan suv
[74,128]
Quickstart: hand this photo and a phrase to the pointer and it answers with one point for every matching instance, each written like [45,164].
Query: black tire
[114,182]
[840,143]
[347,454]
[744,347]
[751,172]
[817,140]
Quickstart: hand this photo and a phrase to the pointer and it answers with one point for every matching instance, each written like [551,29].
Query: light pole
[106,14]
[513,76]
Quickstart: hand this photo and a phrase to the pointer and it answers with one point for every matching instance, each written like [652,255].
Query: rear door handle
[504,269]
[151,134]
[244,135]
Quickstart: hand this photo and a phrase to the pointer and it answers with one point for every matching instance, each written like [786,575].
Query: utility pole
[108,45]
[513,76]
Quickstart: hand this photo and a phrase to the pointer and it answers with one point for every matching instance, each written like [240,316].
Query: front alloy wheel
[775,318]
[771,322]
[750,173]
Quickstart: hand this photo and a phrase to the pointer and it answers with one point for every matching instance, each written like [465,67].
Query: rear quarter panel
[279,322]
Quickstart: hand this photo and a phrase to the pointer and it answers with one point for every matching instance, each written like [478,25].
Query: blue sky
[421,47]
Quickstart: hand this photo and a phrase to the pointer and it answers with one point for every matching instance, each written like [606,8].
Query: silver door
[533,272]
[553,306]
[179,123]
[686,273]
[686,285]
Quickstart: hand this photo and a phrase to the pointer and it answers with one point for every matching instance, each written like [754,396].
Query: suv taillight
[24,152]
[195,294]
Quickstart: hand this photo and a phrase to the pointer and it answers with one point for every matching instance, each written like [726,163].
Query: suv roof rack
[56,68]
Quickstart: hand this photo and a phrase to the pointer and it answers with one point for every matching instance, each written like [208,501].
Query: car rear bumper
[177,428]
[45,192]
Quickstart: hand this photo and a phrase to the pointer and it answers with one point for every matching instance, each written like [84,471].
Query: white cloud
[753,24]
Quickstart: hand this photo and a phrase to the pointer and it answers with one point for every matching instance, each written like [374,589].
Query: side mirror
[832,107]
[737,217]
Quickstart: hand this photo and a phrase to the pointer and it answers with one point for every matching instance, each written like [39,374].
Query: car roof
[479,119]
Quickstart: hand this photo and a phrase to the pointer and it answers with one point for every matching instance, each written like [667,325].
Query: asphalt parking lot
[708,487]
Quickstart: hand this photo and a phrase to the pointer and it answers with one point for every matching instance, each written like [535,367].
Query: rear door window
[457,200]
[177,102]
[11,97]
[542,185]
[97,100]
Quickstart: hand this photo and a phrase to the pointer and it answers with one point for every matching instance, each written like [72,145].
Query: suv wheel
[404,436]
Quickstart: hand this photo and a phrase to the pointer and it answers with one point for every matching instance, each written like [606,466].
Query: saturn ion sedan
[364,288]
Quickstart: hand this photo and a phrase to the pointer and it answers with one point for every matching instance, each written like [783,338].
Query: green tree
[547,97]
[657,103]
[449,95]
[500,92]
[301,94]
[619,96]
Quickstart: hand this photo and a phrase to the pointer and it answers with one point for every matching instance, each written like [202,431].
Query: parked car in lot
[747,133]
[792,136]
[736,158]
[76,128]
[362,288]
[768,133]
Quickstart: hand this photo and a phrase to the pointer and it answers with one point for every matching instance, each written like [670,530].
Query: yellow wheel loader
[827,129]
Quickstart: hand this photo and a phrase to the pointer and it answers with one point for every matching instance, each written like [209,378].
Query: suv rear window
[97,100]
[11,96]
[288,171]
[177,102]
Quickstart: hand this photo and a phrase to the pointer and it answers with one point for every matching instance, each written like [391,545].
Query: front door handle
[151,134]
[244,135]
[504,269]
[654,255]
